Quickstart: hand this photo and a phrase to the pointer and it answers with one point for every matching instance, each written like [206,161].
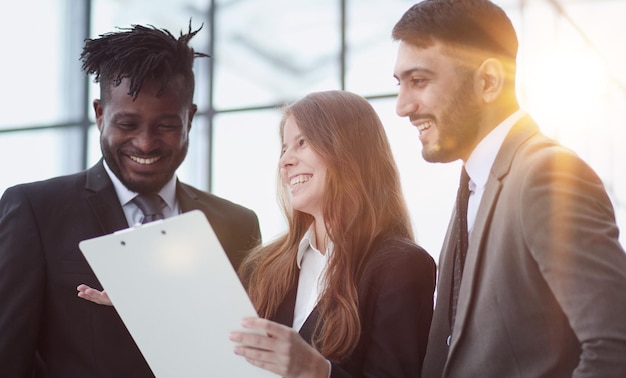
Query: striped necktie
[150,205]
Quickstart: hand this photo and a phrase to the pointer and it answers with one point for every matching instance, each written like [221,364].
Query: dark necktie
[461,242]
[150,205]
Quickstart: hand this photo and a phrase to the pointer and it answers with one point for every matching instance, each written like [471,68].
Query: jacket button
[449,339]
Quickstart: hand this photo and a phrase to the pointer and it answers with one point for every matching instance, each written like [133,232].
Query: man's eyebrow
[404,74]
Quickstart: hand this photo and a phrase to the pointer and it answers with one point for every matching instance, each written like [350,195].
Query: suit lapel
[308,328]
[103,200]
[187,200]
[437,350]
[112,218]
[284,312]
[444,287]
[521,131]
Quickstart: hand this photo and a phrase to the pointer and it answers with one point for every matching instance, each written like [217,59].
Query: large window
[43,96]
[268,52]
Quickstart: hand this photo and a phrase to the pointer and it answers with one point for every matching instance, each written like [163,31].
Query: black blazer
[395,297]
[44,326]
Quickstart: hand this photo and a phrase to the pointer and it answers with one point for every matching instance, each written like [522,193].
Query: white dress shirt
[479,163]
[132,212]
[311,282]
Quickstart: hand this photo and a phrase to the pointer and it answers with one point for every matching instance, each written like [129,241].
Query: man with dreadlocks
[144,116]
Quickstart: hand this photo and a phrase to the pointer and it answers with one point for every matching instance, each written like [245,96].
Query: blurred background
[571,78]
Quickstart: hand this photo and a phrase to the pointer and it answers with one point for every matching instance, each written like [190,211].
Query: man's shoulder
[59,184]
[394,254]
[528,151]
[542,155]
[236,226]
[213,201]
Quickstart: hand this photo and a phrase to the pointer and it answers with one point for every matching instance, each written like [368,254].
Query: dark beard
[462,118]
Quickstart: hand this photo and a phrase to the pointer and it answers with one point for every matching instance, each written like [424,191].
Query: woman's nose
[287,159]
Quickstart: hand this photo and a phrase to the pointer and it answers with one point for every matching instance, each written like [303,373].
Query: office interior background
[266,53]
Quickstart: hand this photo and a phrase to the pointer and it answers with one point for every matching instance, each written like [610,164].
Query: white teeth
[424,126]
[300,179]
[144,161]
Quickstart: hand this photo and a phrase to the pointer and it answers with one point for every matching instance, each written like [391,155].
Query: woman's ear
[490,79]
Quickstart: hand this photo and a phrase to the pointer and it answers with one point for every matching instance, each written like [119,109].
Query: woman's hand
[96,296]
[279,349]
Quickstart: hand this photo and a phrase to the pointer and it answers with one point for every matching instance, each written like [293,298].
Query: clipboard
[178,295]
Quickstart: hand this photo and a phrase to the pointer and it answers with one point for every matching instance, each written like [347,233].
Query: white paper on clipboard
[178,295]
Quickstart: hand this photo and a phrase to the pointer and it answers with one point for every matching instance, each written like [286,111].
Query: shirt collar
[307,243]
[167,192]
[481,159]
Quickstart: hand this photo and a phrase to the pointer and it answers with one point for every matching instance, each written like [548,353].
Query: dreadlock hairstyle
[140,53]
[362,205]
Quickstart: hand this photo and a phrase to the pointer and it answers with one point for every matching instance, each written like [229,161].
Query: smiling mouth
[421,127]
[144,161]
[298,180]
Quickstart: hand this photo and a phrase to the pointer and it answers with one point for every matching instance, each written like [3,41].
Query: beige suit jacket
[544,287]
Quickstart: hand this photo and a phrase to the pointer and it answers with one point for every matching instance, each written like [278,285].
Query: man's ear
[97,108]
[490,79]
[192,111]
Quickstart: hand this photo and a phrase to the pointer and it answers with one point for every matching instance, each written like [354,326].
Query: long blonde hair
[362,203]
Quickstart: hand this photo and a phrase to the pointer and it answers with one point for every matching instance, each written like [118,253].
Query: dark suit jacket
[395,307]
[41,317]
[544,286]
